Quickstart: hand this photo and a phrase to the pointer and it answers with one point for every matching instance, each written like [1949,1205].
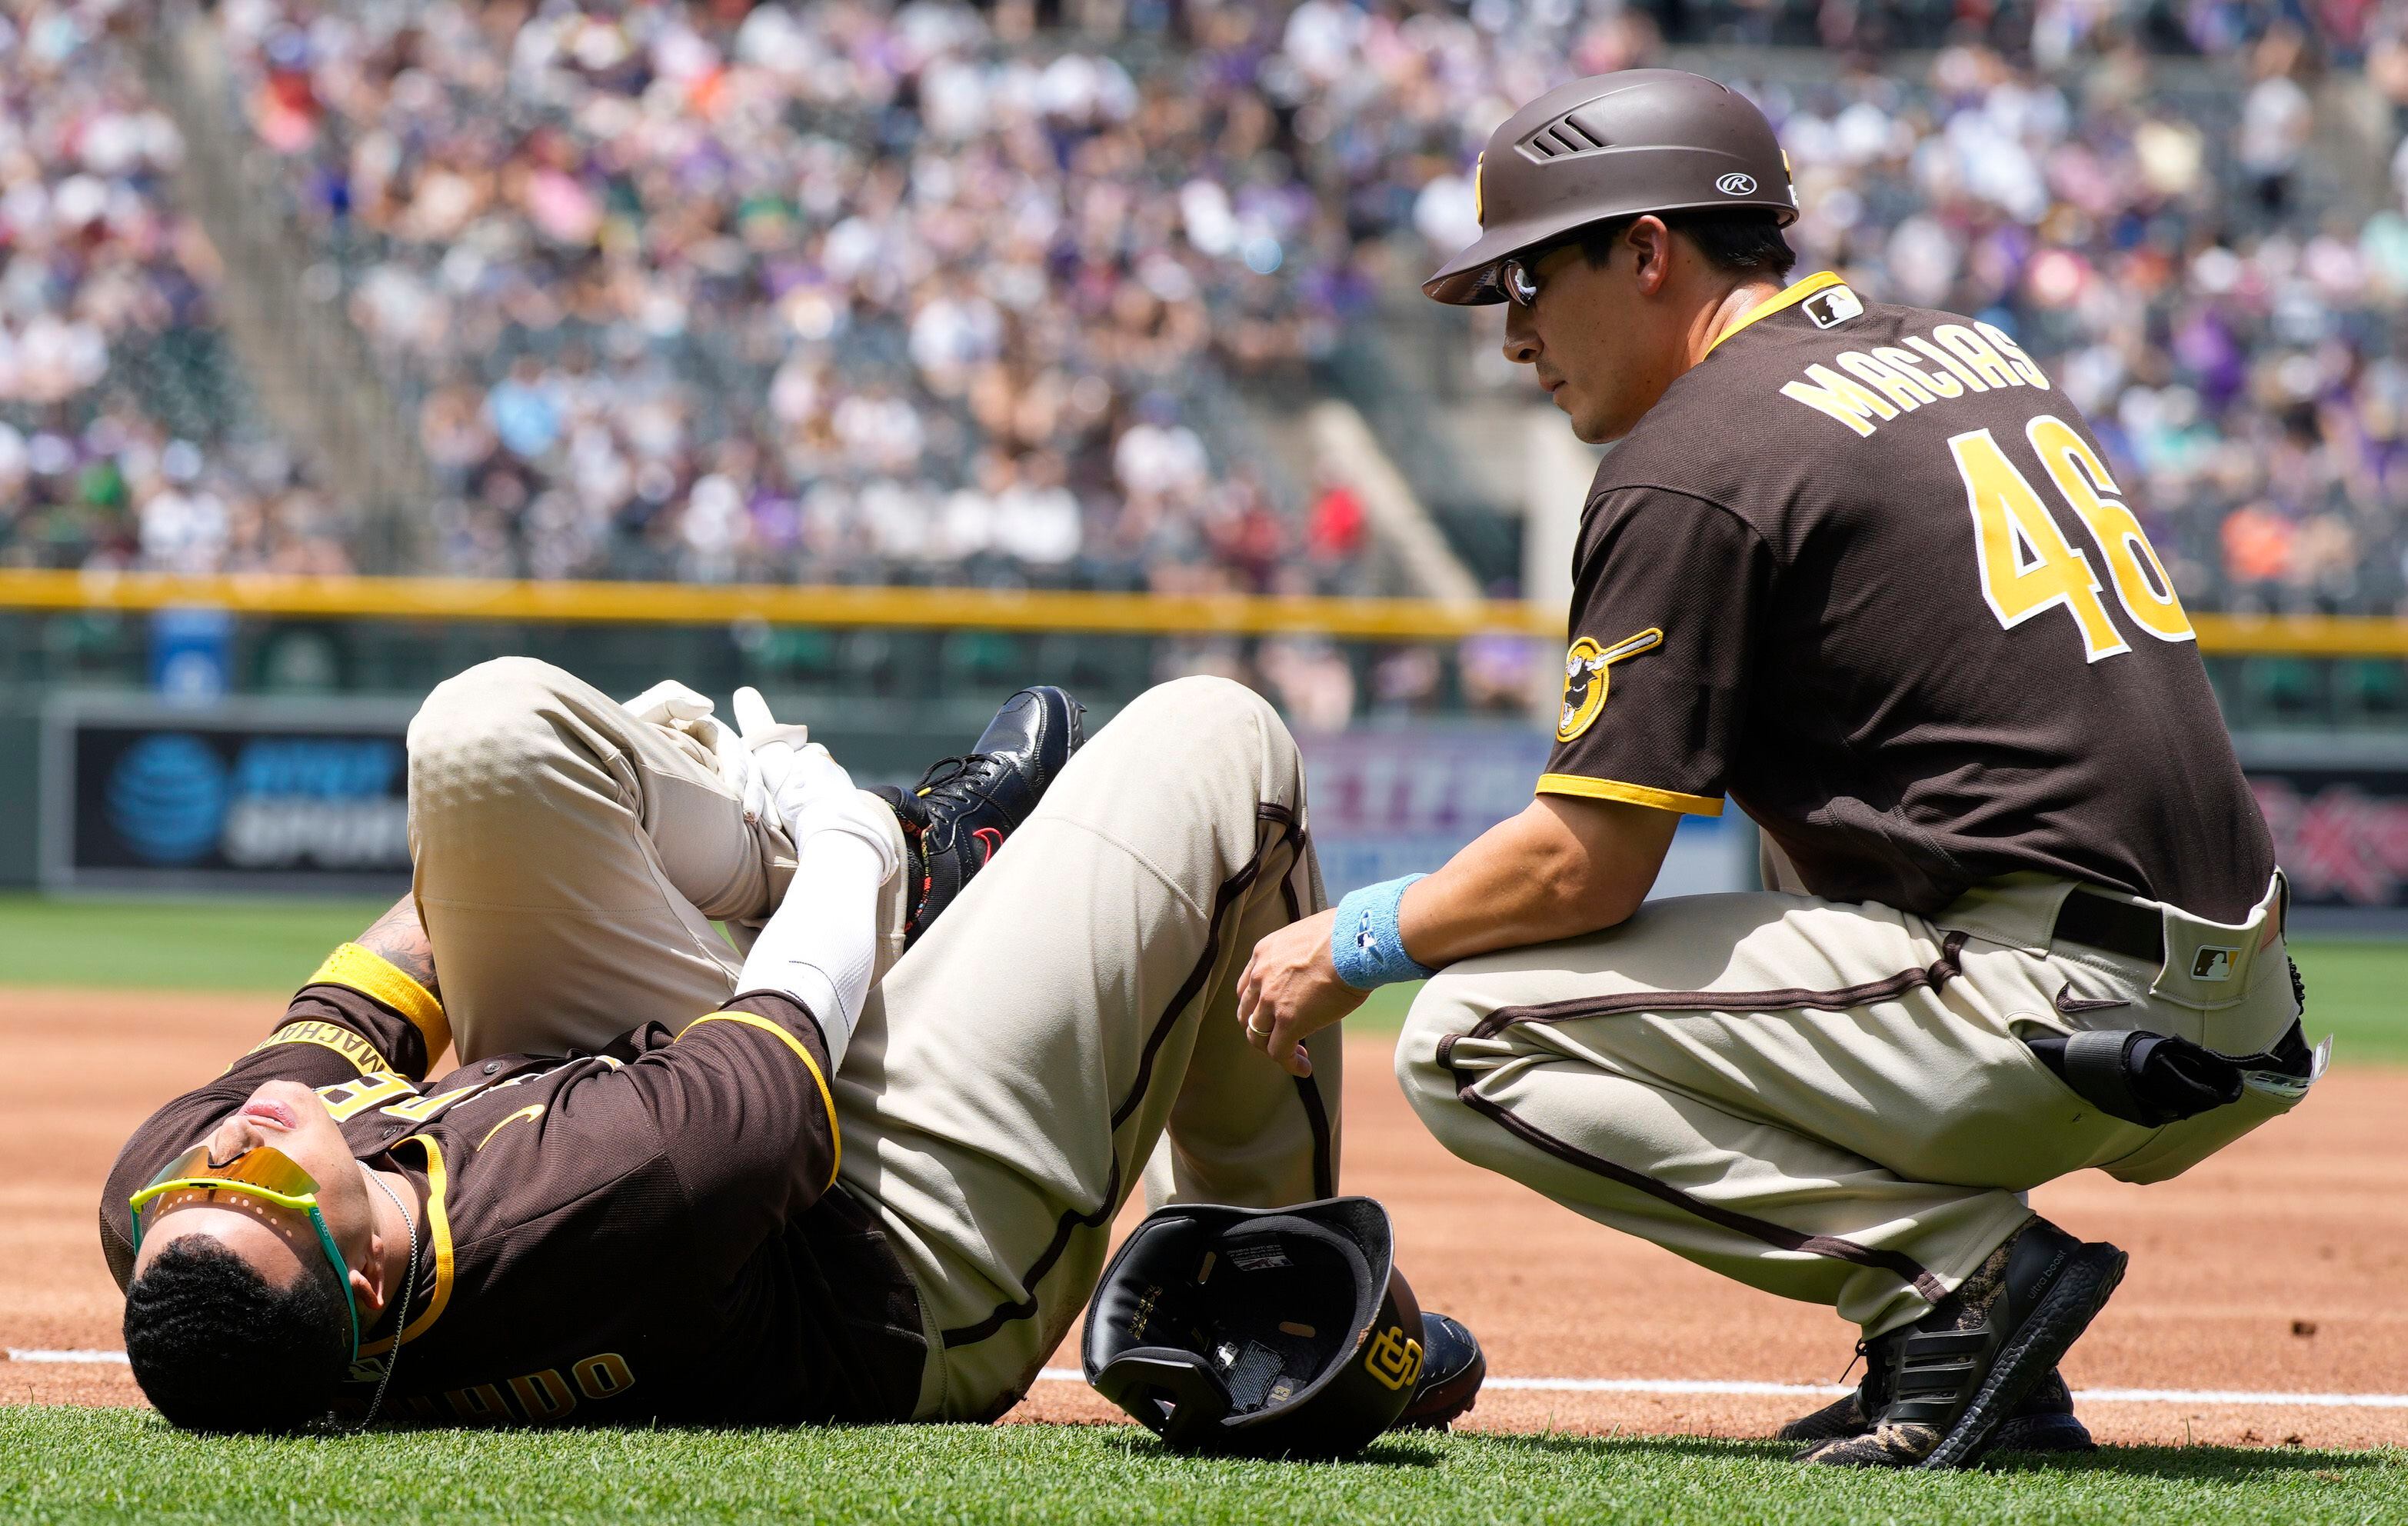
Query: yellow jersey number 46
[2029,567]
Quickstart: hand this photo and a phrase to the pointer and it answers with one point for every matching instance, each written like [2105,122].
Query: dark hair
[1746,241]
[215,1348]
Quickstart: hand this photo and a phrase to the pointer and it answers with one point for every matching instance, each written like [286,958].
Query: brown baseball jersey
[647,1233]
[1865,570]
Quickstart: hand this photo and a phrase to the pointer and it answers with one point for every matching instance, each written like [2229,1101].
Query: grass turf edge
[62,1463]
[269,947]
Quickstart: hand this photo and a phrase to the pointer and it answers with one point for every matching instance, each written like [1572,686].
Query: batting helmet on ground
[1609,145]
[1282,1332]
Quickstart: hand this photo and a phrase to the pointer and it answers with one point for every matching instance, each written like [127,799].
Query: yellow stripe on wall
[701,604]
[967,609]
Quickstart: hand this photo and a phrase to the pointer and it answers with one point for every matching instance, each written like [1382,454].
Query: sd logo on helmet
[1272,1333]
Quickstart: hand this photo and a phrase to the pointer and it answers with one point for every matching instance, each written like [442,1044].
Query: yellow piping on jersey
[378,978]
[835,1135]
[438,1232]
[1796,293]
[1615,790]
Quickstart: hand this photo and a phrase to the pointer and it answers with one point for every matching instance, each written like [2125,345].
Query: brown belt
[2118,926]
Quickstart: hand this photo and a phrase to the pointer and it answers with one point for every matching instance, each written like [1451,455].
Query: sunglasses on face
[261,1173]
[1518,278]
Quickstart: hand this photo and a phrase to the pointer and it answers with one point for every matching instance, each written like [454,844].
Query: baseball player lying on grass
[1862,568]
[669,1182]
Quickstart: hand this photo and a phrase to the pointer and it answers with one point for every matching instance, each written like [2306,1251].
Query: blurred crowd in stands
[848,290]
[843,291]
[114,393]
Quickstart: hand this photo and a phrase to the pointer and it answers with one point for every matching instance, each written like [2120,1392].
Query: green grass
[1383,1010]
[70,1464]
[2358,989]
[176,945]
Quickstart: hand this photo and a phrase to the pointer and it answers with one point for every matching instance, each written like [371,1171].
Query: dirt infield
[2274,1268]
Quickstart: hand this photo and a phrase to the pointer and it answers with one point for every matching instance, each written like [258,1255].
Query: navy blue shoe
[965,807]
[1453,1369]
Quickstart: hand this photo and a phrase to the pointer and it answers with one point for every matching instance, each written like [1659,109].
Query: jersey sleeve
[742,1106]
[358,1016]
[1666,600]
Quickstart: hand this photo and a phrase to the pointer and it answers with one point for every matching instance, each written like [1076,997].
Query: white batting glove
[671,704]
[814,794]
[809,788]
[667,703]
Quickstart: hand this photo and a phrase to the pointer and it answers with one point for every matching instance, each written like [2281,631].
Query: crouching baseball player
[1863,569]
[669,1183]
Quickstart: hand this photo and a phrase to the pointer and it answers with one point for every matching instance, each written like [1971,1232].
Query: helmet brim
[1469,279]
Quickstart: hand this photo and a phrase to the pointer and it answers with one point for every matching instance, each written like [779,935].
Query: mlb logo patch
[1830,308]
[2213,963]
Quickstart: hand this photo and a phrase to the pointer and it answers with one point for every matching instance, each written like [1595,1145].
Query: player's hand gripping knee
[808,788]
[1290,990]
[671,704]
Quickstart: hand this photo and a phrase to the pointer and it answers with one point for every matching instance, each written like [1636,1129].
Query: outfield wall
[131,793]
[143,744]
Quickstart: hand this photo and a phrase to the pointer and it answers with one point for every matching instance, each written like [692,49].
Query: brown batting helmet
[1259,1331]
[1609,145]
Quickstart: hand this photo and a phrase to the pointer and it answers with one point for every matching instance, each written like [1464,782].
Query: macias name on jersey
[1888,380]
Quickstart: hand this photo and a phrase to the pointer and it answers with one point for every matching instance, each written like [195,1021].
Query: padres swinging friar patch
[1585,679]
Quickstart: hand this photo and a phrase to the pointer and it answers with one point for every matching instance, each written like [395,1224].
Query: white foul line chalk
[1825,1390]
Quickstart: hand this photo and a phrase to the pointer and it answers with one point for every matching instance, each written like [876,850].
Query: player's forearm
[399,940]
[1560,869]
[821,944]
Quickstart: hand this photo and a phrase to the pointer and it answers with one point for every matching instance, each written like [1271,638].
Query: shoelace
[969,770]
[1863,1348]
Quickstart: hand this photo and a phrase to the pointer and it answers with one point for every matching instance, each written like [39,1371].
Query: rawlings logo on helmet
[1736,184]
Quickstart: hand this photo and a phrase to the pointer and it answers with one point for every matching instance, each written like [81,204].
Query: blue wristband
[1365,945]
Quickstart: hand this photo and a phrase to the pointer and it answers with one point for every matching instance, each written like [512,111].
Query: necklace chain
[409,1295]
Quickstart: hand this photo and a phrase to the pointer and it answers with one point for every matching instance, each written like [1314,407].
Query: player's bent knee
[1203,702]
[1443,1007]
[486,722]
[1186,715]
[1439,1011]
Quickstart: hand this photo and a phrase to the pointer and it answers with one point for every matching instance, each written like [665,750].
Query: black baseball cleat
[1952,1380]
[2044,1422]
[1453,1369]
[964,807]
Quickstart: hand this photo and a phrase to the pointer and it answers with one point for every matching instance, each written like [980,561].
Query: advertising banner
[2337,805]
[275,795]
[140,794]
[2341,834]
[1389,803]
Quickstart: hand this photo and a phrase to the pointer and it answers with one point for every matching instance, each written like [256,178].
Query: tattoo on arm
[397,939]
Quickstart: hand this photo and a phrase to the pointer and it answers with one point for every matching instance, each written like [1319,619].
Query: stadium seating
[126,433]
[853,291]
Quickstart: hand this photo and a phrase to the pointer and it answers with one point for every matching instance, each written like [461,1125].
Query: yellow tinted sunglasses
[267,1174]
